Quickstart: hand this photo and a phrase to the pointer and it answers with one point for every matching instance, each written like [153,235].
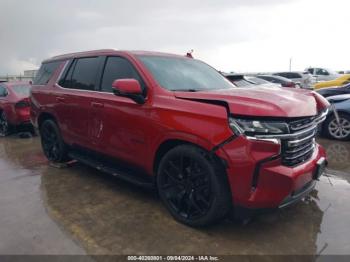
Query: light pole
[290,64]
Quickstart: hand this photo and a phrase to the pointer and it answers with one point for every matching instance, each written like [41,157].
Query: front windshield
[184,74]
[23,90]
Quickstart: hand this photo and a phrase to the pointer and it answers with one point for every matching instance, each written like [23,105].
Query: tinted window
[3,91]
[45,72]
[176,74]
[282,74]
[320,71]
[290,75]
[65,81]
[117,68]
[82,74]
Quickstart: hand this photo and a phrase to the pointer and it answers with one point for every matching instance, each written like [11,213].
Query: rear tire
[5,127]
[52,143]
[333,130]
[193,187]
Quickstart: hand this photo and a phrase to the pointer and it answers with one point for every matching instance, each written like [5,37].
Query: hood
[263,101]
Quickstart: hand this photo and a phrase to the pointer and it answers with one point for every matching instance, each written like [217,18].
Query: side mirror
[128,88]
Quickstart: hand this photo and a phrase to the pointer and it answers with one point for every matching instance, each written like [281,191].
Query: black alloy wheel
[52,143]
[4,125]
[192,186]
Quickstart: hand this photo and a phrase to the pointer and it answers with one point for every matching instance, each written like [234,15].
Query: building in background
[28,75]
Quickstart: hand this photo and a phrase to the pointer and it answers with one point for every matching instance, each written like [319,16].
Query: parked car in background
[303,79]
[340,81]
[333,91]
[239,80]
[322,74]
[284,82]
[338,127]
[177,124]
[343,72]
[14,106]
[260,81]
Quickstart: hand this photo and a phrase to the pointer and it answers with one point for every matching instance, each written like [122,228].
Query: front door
[121,133]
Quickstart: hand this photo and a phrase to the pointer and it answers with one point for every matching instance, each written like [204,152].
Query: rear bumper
[257,178]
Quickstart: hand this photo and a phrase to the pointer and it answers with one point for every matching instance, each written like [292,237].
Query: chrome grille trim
[299,145]
[293,151]
[301,140]
[301,154]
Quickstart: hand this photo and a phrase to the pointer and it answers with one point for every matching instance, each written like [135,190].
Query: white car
[322,74]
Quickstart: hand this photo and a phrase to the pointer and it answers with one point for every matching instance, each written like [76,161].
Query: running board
[127,174]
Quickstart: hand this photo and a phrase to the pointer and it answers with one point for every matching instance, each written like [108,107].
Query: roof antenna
[189,53]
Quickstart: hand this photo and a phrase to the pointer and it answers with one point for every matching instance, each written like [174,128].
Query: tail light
[290,84]
[22,104]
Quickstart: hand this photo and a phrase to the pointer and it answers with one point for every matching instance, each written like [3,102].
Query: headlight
[257,127]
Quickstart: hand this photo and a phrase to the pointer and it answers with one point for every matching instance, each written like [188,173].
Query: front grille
[299,146]
[298,149]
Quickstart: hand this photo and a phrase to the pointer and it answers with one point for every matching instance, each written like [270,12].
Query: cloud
[220,31]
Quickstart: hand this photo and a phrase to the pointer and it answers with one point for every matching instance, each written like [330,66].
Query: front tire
[52,143]
[192,186]
[338,131]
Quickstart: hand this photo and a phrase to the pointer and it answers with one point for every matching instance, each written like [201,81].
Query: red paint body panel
[15,116]
[263,101]
[118,127]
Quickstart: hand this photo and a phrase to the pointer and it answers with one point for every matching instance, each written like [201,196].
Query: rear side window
[45,73]
[118,68]
[82,74]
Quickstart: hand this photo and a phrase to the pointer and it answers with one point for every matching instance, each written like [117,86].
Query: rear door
[75,99]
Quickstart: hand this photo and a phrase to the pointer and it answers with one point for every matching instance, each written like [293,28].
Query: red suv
[14,106]
[175,123]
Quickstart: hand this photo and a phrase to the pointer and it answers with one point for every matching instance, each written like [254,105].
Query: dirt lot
[78,210]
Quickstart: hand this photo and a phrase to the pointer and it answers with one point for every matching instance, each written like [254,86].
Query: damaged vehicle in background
[337,124]
[14,107]
[176,124]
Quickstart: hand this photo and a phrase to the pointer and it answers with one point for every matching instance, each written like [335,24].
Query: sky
[231,35]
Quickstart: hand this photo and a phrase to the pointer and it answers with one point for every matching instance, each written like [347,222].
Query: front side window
[184,74]
[118,68]
[82,74]
[45,72]
[320,71]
